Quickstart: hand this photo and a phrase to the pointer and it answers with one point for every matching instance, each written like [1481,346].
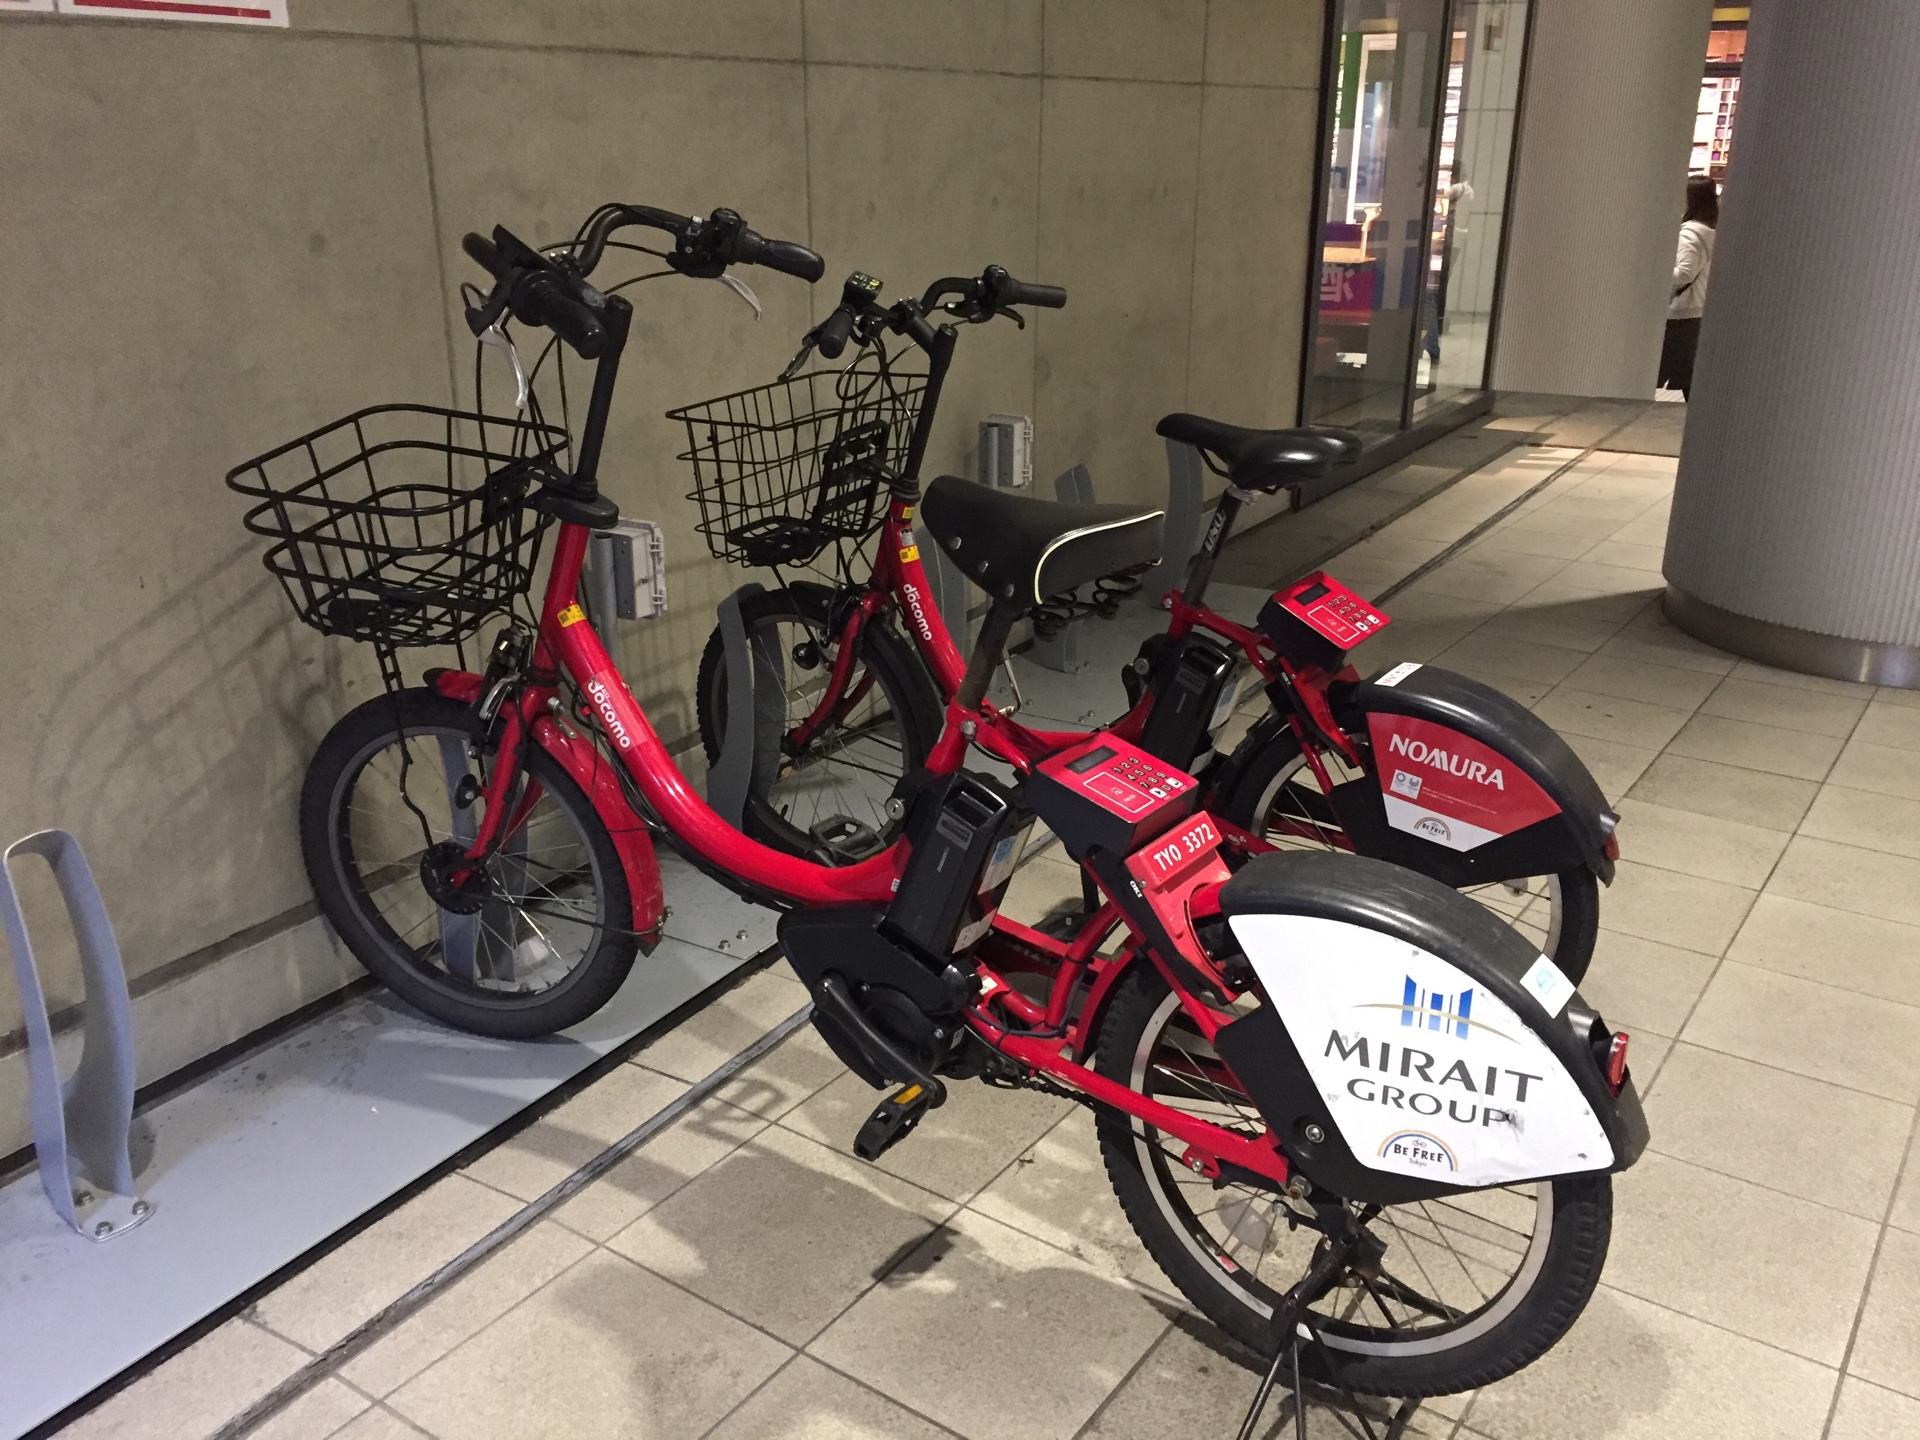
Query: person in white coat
[1691,268]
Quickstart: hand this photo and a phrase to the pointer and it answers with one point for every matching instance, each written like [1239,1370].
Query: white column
[1796,523]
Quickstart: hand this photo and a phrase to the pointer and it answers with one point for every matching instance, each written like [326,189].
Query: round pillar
[1795,537]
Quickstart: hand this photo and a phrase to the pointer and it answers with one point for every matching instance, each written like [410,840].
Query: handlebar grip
[1019,292]
[485,254]
[834,333]
[542,301]
[782,255]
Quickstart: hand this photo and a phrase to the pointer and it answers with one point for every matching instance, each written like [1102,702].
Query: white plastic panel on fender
[1449,788]
[1426,1072]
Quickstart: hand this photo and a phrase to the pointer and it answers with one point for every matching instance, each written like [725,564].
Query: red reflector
[1617,1063]
[1612,847]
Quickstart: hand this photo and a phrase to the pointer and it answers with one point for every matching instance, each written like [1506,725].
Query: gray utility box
[627,572]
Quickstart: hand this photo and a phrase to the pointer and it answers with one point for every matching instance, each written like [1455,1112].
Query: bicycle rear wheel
[540,940]
[828,799]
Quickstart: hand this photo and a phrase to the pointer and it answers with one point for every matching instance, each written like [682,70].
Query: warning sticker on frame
[1448,788]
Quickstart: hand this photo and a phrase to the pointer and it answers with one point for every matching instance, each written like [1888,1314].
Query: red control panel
[1110,792]
[1332,610]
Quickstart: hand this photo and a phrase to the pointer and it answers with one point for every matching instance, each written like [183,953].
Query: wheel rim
[1292,814]
[832,797]
[1454,1268]
[543,913]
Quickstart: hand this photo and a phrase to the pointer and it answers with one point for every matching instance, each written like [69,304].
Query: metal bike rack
[81,1125]
[1186,504]
[949,590]
[753,731]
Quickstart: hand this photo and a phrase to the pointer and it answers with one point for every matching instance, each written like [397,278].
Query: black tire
[895,734]
[1554,1273]
[571,891]
[1560,913]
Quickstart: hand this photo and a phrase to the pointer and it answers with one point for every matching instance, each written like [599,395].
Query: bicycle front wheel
[825,798]
[537,940]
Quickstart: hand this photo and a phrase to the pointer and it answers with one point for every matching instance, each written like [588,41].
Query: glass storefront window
[1421,100]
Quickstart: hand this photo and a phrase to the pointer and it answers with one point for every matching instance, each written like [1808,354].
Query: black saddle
[1264,459]
[1025,550]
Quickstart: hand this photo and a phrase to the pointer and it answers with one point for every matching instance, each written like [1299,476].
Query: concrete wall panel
[992,35]
[749,29]
[1127,39]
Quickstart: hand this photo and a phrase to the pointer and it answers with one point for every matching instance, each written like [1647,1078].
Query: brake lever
[740,288]
[494,336]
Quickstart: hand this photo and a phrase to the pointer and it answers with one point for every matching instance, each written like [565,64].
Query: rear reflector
[1612,847]
[1617,1063]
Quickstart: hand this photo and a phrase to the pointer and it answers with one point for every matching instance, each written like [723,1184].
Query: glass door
[1421,97]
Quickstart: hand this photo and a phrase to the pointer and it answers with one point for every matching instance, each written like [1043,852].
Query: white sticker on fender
[1425,1072]
[1398,673]
[1548,984]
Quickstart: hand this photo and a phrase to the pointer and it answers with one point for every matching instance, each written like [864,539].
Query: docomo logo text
[603,702]
[919,615]
[1421,753]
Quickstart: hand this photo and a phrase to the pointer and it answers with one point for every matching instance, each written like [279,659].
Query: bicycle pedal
[891,1122]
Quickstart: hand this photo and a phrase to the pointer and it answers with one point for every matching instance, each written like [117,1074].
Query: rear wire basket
[784,470]
[403,525]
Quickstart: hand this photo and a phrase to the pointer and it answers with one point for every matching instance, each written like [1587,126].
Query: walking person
[1689,298]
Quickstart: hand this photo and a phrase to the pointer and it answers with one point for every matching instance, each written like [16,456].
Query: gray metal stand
[80,1127]
[1061,650]
[1186,504]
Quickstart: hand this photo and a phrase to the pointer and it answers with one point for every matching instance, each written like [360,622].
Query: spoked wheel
[537,940]
[1275,794]
[825,798]
[1467,1289]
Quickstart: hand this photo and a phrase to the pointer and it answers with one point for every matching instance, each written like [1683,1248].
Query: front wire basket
[783,470]
[403,525]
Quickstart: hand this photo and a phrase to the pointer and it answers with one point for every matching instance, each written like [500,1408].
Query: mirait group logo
[1439,1012]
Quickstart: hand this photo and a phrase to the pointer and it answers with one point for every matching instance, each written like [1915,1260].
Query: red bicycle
[1335,1098]
[1417,765]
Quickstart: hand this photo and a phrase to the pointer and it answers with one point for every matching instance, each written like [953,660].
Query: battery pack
[966,831]
[1189,680]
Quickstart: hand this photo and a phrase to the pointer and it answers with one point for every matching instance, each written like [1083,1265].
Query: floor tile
[1509,656]
[1779,1130]
[1702,845]
[1756,747]
[1835,947]
[1628,553]
[319,1413]
[798,1069]
[1816,1030]
[659,1168]
[1058,1192]
[1641,984]
[1850,878]
[837,1225]
[1614,579]
[703,1043]
[1867,1412]
[1871,821]
[1895,725]
[1894,695]
[1610,717]
[1515,687]
[1789,708]
[1551,625]
[379,1265]
[1490,579]
[1881,768]
[1417,606]
[1753,797]
[1665,645]
[1636,679]
[1675,909]
[1554,544]
[554,1146]
[1906,1200]
[808,1401]
[1728,1252]
[196,1391]
[1792,679]
[1888,1349]
[1614,767]
[471,1303]
[995,1334]
[957,1149]
[378,1423]
[1630,1370]
[606,1350]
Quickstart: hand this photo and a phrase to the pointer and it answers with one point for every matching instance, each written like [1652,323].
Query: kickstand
[1397,1423]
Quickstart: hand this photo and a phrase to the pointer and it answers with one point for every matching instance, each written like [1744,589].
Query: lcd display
[1092,758]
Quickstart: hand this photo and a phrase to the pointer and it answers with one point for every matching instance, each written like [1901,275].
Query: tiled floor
[742,1276]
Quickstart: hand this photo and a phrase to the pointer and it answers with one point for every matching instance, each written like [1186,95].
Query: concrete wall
[233,235]
[1611,94]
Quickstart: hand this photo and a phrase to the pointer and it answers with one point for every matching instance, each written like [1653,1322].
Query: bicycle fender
[1466,784]
[595,774]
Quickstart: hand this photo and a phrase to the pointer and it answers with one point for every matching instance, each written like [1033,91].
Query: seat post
[1200,568]
[987,652]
